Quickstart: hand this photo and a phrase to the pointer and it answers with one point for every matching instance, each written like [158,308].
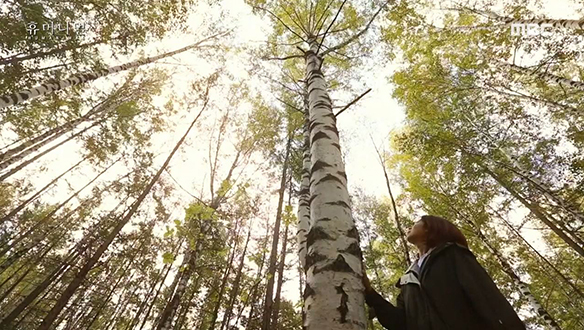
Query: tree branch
[282,22]
[330,25]
[282,58]
[318,22]
[290,105]
[352,102]
[356,36]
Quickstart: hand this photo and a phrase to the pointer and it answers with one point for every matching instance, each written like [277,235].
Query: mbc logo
[531,29]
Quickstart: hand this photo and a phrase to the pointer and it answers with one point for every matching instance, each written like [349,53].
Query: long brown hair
[441,231]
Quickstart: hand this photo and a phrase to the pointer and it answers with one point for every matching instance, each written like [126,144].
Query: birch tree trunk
[46,88]
[546,76]
[334,293]
[268,302]
[80,276]
[236,284]
[167,315]
[537,212]
[276,309]
[304,198]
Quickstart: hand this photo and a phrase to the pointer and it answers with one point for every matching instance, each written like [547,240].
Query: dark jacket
[450,291]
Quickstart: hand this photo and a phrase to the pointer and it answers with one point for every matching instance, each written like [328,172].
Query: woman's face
[417,233]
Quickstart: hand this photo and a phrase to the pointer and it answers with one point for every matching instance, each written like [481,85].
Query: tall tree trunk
[167,315]
[304,222]
[534,250]
[545,76]
[334,293]
[16,58]
[39,155]
[47,217]
[236,284]
[268,303]
[223,286]
[37,194]
[537,212]
[48,87]
[276,309]
[253,290]
[29,146]
[155,297]
[144,302]
[515,167]
[76,282]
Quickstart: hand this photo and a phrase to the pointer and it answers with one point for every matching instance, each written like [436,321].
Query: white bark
[518,169]
[547,76]
[303,200]
[46,88]
[334,293]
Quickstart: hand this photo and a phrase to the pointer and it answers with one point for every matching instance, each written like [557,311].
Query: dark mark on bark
[318,136]
[318,165]
[353,233]
[315,234]
[313,258]
[339,203]
[354,250]
[339,266]
[308,292]
[329,177]
[323,219]
[343,308]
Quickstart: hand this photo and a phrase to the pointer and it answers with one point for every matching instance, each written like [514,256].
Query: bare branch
[356,36]
[330,25]
[282,22]
[352,102]
[318,22]
[290,105]
[282,58]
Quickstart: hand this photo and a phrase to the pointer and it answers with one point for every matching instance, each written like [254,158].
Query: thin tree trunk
[556,270]
[39,155]
[276,309]
[37,194]
[167,315]
[76,282]
[164,269]
[546,76]
[304,222]
[236,284]
[47,217]
[155,297]
[334,293]
[224,282]
[19,280]
[115,286]
[537,212]
[54,133]
[268,303]
[253,290]
[15,59]
[402,234]
[48,87]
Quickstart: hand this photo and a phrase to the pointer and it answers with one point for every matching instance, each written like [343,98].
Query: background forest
[179,164]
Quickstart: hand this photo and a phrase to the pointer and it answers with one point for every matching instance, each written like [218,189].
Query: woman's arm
[390,316]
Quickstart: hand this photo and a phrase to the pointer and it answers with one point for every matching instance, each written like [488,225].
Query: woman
[446,288]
